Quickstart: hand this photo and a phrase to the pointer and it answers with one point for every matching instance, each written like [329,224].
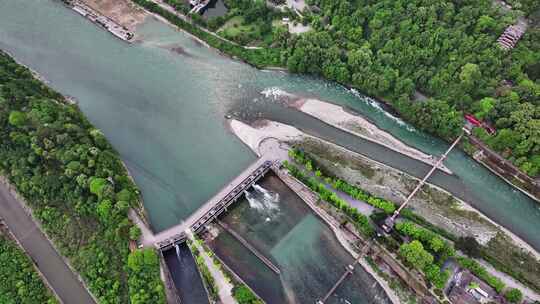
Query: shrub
[514,295]
[469,246]
[481,272]
[245,296]
[17,119]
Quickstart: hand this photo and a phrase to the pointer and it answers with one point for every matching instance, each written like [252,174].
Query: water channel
[185,275]
[162,102]
[275,221]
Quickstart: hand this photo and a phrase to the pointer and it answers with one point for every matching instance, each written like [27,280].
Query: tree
[97,185]
[469,246]
[244,295]
[514,295]
[17,119]
[469,75]
[485,106]
[135,233]
[415,254]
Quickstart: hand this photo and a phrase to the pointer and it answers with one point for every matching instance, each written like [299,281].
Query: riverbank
[338,117]
[433,203]
[259,62]
[103,19]
[259,58]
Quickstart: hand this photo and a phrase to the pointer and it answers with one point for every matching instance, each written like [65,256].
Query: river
[162,102]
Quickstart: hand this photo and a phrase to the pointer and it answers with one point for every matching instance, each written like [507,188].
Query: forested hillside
[19,281]
[445,50]
[75,183]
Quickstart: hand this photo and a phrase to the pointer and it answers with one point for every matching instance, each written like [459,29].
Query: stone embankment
[102,20]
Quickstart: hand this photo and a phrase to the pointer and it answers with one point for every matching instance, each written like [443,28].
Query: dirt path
[510,282]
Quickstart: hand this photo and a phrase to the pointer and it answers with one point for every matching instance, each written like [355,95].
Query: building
[466,288]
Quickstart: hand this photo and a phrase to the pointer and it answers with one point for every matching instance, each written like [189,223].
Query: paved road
[58,274]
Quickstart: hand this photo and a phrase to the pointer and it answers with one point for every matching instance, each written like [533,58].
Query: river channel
[162,102]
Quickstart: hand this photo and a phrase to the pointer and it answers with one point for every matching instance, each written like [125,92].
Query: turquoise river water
[162,102]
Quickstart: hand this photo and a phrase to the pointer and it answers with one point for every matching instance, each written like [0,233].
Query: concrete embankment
[65,283]
[96,17]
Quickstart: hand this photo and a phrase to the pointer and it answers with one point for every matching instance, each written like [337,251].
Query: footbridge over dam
[215,206]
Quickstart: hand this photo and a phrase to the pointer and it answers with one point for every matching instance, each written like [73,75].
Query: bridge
[215,206]
[349,269]
[389,222]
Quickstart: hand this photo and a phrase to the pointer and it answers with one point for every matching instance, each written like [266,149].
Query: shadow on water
[185,275]
[285,230]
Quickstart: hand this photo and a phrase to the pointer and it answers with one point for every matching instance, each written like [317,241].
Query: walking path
[222,283]
[171,9]
[62,280]
[509,281]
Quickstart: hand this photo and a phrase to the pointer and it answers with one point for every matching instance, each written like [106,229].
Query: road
[59,276]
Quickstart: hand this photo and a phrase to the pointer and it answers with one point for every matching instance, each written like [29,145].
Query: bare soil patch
[123,12]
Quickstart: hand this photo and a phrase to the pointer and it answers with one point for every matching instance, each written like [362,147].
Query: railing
[218,208]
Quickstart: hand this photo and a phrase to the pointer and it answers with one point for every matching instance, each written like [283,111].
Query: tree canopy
[73,180]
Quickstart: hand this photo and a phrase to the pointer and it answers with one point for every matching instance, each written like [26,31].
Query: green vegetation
[440,248]
[73,180]
[144,277]
[444,49]
[20,281]
[256,57]
[361,221]
[514,295]
[415,254]
[481,272]
[243,295]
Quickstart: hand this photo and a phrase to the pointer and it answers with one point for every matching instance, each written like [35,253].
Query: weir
[253,250]
[215,206]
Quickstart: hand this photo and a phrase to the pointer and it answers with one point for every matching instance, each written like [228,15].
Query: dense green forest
[19,281]
[74,182]
[399,51]
[446,50]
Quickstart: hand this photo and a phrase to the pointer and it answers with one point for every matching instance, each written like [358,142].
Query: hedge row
[361,221]
[300,157]
[481,272]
